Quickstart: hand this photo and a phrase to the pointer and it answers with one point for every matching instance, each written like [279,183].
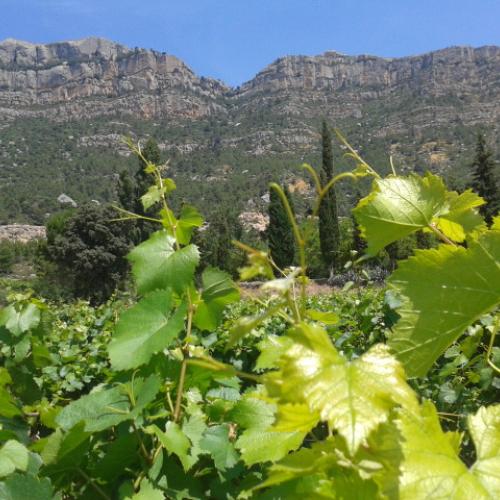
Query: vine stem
[89,480]
[441,235]
[182,376]
[299,239]
[490,347]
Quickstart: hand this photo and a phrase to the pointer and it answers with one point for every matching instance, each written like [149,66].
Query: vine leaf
[21,486]
[18,321]
[147,492]
[218,292]
[267,445]
[431,466]
[157,265]
[145,329]
[188,221]
[104,408]
[354,397]
[399,206]
[216,442]
[484,427]
[13,455]
[462,218]
[260,442]
[174,441]
[316,472]
[460,286]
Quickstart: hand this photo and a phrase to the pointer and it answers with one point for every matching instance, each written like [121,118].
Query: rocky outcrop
[97,77]
[21,233]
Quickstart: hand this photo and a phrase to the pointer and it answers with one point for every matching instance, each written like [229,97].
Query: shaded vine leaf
[218,291]
[267,445]
[354,397]
[174,441]
[65,451]
[148,492]
[103,408]
[460,286]
[24,486]
[260,441]
[431,467]
[156,264]
[145,329]
[216,442]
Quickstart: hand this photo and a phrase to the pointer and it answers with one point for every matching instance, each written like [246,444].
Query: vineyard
[191,392]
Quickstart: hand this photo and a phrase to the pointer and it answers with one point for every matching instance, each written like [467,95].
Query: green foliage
[484,181]
[432,319]
[89,252]
[200,395]
[329,233]
[279,232]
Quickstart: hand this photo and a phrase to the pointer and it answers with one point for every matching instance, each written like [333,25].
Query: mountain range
[64,108]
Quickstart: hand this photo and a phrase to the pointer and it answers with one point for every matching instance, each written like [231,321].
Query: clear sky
[233,39]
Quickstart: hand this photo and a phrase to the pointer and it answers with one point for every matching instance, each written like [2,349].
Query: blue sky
[233,39]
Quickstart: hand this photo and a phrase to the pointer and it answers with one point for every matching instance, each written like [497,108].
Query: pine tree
[483,179]
[329,232]
[279,231]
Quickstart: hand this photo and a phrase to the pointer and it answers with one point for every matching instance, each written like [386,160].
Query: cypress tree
[130,190]
[329,232]
[279,232]
[483,179]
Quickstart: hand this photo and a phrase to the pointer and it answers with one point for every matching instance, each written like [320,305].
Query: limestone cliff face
[95,76]
[458,84]
[463,68]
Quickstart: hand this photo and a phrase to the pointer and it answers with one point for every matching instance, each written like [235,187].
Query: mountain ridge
[64,107]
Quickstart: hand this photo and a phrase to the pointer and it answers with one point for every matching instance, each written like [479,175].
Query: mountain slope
[65,106]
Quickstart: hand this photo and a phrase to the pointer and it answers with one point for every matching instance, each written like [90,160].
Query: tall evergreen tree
[484,181]
[279,231]
[329,232]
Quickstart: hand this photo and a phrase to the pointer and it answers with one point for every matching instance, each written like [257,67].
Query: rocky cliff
[94,77]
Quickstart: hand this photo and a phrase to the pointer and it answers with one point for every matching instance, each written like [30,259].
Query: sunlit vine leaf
[399,206]
[443,291]
[13,456]
[20,319]
[145,329]
[484,428]
[317,471]
[354,397]
[157,264]
[431,467]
